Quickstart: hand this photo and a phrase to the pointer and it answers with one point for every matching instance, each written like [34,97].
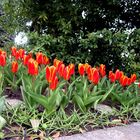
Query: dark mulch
[13,94]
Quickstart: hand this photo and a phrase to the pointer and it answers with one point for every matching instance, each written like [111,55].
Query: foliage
[117,50]
[61,29]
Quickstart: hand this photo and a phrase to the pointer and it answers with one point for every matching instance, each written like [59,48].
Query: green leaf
[91,100]
[78,100]
[107,93]
[40,99]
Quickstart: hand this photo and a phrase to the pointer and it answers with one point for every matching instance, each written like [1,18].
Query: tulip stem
[33,79]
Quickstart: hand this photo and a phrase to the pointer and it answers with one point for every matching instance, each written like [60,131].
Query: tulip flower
[39,58]
[133,78]
[88,68]
[129,82]
[54,83]
[102,70]
[14,66]
[2,59]
[32,67]
[17,55]
[50,73]
[61,70]
[13,50]
[112,76]
[71,68]
[124,80]
[21,53]
[26,59]
[66,73]
[81,69]
[46,60]
[94,76]
[0,51]
[57,63]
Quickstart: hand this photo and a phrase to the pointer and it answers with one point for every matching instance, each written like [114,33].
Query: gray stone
[129,132]
[12,103]
[2,122]
[104,108]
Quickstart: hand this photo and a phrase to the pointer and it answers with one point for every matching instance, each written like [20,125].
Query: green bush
[115,50]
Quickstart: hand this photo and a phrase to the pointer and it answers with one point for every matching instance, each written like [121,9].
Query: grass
[18,121]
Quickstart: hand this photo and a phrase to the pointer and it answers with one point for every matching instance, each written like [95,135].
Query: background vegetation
[93,31]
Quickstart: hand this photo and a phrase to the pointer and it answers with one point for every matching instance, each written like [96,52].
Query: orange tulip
[46,60]
[81,69]
[14,66]
[26,59]
[133,78]
[61,70]
[124,80]
[13,50]
[102,70]
[39,58]
[32,67]
[66,73]
[54,83]
[50,73]
[71,68]
[57,63]
[94,76]
[129,82]
[2,60]
[17,55]
[21,53]
[111,76]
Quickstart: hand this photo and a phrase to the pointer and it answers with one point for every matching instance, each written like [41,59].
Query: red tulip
[57,63]
[26,59]
[54,83]
[39,58]
[32,67]
[2,59]
[133,78]
[21,53]
[71,68]
[0,51]
[66,73]
[102,70]
[129,82]
[14,66]
[88,69]
[124,81]
[94,76]
[17,55]
[13,50]
[61,70]
[81,69]
[50,73]
[111,76]
[46,60]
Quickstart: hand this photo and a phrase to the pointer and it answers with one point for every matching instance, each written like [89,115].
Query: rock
[2,122]
[129,132]
[12,103]
[104,109]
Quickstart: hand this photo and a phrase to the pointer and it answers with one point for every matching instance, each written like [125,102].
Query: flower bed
[57,91]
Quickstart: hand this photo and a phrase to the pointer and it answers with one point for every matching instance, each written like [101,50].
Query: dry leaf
[42,135]
[56,135]
[81,130]
[35,124]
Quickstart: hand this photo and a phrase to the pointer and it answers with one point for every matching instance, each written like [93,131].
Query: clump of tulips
[55,86]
